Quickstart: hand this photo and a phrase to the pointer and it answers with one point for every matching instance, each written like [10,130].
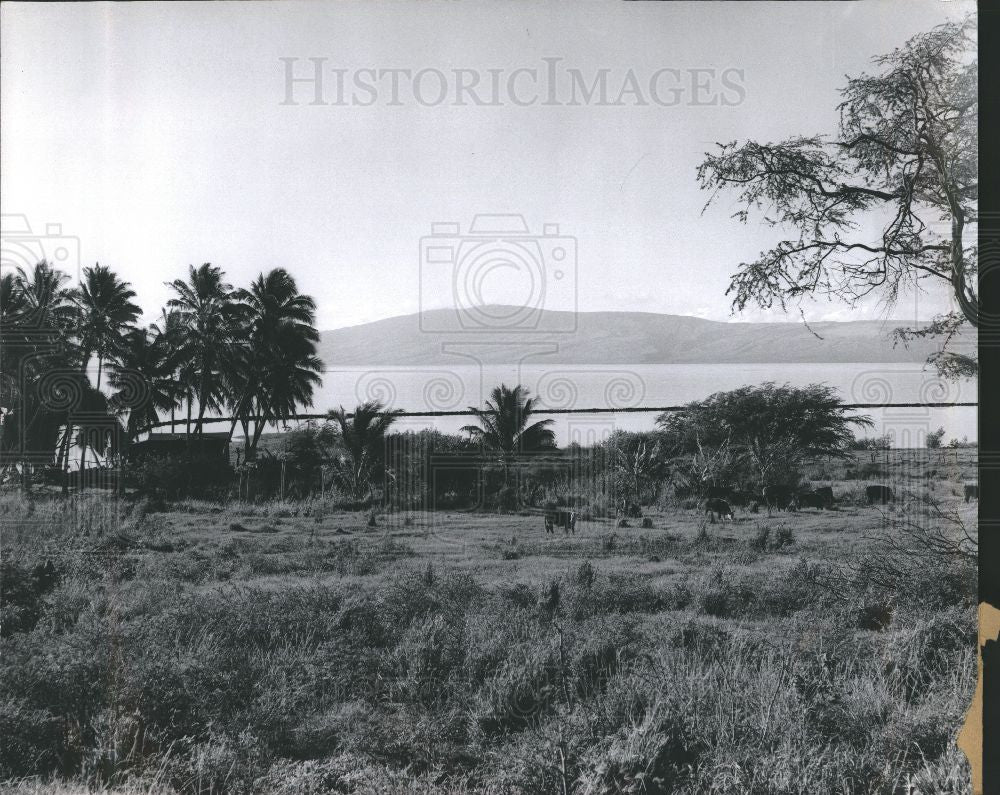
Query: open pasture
[289,647]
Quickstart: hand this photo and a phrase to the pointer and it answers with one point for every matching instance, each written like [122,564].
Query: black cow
[811,499]
[878,494]
[781,497]
[826,492]
[714,505]
[741,499]
[564,519]
[971,491]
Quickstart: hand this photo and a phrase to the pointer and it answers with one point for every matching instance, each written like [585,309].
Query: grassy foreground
[290,648]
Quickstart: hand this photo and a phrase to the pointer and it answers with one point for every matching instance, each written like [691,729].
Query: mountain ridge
[609,337]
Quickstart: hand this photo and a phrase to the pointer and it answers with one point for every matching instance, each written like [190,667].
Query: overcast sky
[164,134]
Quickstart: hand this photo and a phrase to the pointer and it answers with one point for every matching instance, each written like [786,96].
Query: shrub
[783,537]
[21,591]
[760,538]
[174,476]
[585,575]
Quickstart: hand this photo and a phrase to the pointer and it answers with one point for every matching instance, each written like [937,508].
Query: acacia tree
[884,206]
[771,429]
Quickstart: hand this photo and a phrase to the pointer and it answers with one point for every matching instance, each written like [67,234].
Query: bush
[783,537]
[21,591]
[175,476]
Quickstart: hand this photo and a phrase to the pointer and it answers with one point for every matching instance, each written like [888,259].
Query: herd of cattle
[720,501]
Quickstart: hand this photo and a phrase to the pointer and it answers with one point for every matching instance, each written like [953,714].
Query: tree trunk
[970,307]
[202,403]
[83,453]
[258,430]
[63,462]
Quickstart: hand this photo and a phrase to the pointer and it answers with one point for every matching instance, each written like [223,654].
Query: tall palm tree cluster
[250,353]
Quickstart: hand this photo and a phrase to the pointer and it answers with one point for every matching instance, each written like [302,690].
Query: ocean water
[435,388]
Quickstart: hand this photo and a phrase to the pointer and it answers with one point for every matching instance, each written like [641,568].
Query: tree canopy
[767,428]
[505,423]
[252,352]
[885,205]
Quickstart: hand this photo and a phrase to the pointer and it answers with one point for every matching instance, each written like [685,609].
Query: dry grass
[290,648]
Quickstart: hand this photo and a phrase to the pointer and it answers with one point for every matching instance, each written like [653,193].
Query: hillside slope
[625,338]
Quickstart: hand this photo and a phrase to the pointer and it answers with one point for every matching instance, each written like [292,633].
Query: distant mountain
[620,338]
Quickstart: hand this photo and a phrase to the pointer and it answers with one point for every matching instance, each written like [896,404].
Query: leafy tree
[934,438]
[904,163]
[358,467]
[429,468]
[770,428]
[639,462]
[306,449]
[872,443]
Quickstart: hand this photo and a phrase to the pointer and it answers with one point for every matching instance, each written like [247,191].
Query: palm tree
[504,423]
[106,314]
[277,367]
[144,380]
[38,301]
[169,332]
[505,426]
[207,310]
[361,439]
[37,316]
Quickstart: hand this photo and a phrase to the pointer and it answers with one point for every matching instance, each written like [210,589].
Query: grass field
[290,648]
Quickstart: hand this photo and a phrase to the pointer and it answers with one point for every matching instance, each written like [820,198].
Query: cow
[714,505]
[878,494]
[971,491]
[743,499]
[811,499]
[826,492]
[781,497]
[564,519]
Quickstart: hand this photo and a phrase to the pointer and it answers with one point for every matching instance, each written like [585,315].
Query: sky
[151,136]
